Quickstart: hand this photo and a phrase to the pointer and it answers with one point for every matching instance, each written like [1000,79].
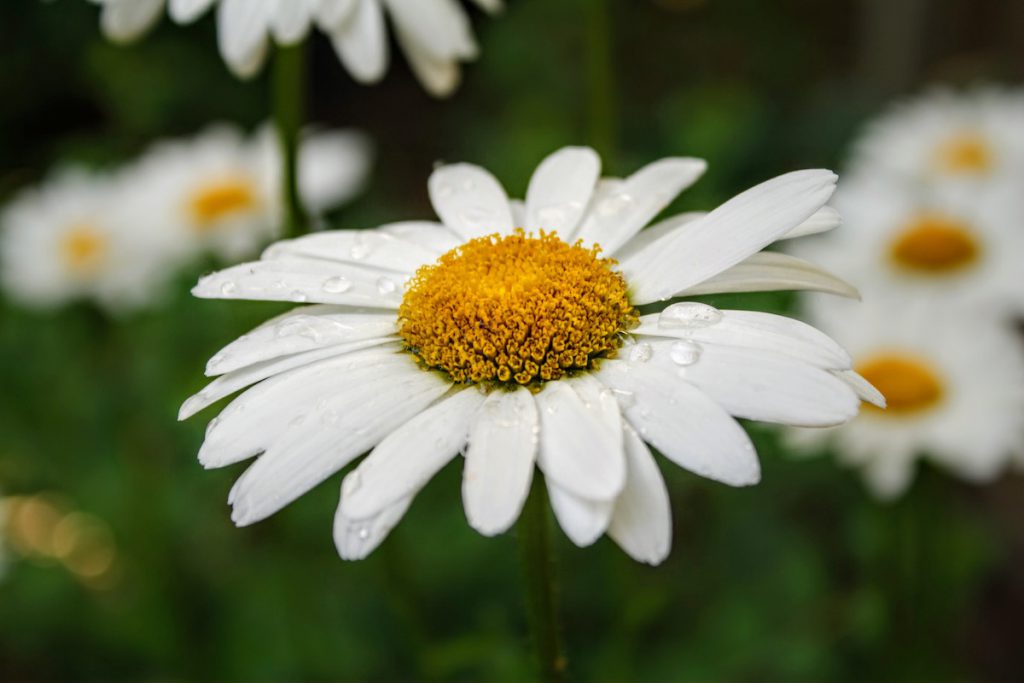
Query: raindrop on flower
[360,249]
[363,533]
[614,204]
[228,288]
[338,285]
[688,315]
[297,296]
[684,352]
[641,353]
[386,285]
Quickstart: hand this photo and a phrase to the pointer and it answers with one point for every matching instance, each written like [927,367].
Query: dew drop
[360,249]
[228,288]
[641,353]
[614,204]
[363,533]
[688,315]
[386,285]
[297,296]
[684,352]
[338,285]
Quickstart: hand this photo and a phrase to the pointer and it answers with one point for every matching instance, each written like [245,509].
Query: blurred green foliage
[801,578]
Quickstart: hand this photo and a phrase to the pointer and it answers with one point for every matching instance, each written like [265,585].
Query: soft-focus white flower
[221,190]
[75,237]
[973,138]
[901,240]
[954,383]
[500,333]
[436,35]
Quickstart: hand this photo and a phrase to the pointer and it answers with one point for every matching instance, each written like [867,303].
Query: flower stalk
[601,78]
[289,92]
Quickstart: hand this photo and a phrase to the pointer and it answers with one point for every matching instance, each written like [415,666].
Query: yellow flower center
[518,308]
[909,385]
[217,200]
[83,248]
[965,153]
[935,245]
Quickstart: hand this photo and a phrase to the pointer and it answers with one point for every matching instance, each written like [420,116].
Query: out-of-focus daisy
[975,137]
[953,381]
[505,332]
[222,190]
[905,241]
[74,237]
[436,35]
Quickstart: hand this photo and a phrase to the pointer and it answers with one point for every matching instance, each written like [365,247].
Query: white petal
[409,456]
[470,201]
[242,27]
[305,328]
[749,329]
[331,15]
[682,422]
[655,233]
[582,520]
[357,538]
[765,386]
[580,442]
[292,20]
[333,167]
[642,521]
[434,237]
[229,383]
[560,190]
[187,11]
[439,77]
[361,42]
[304,280]
[255,420]
[889,476]
[865,390]
[371,248]
[732,232]
[330,434]
[492,6]
[615,218]
[126,20]
[770,271]
[438,29]
[824,219]
[500,460]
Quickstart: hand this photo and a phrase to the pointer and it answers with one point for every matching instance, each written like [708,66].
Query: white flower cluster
[933,235]
[117,237]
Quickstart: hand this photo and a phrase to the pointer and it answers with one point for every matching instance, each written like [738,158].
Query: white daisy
[221,190]
[435,34]
[501,333]
[975,137]
[73,238]
[911,242]
[954,383]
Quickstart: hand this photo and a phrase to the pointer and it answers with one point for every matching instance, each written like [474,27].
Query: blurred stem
[289,112]
[601,77]
[537,553]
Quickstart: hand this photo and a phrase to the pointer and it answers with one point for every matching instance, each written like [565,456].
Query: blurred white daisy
[975,137]
[75,238]
[436,35]
[221,190]
[953,381]
[911,242]
[504,333]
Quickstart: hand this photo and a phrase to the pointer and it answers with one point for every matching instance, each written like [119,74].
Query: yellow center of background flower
[83,248]
[518,308]
[935,245]
[965,153]
[909,385]
[215,201]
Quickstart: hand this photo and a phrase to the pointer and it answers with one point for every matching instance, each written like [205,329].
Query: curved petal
[642,520]
[370,248]
[292,20]
[654,233]
[582,520]
[742,226]
[125,20]
[332,15]
[560,190]
[682,422]
[187,11]
[361,42]
[864,389]
[242,27]
[770,271]
[500,460]
[357,538]
[470,201]
[824,219]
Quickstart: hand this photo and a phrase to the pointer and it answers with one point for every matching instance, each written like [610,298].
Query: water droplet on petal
[641,353]
[337,285]
[688,315]
[614,204]
[684,352]
[386,285]
[360,249]
[363,533]
[228,288]
[297,296]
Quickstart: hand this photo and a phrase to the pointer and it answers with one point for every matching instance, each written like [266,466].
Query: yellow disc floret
[221,199]
[935,245]
[517,309]
[965,153]
[909,384]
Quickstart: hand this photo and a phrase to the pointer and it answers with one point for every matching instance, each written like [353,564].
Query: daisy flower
[911,242]
[435,34]
[953,381]
[74,238]
[221,191]
[509,332]
[974,138]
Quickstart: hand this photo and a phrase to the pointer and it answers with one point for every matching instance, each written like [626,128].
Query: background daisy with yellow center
[509,332]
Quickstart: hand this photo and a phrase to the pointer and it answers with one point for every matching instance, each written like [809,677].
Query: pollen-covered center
[83,249]
[910,385]
[515,309]
[219,199]
[935,245]
[965,153]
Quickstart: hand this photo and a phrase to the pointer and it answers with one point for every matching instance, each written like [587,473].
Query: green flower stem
[289,111]
[601,78]
[535,543]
